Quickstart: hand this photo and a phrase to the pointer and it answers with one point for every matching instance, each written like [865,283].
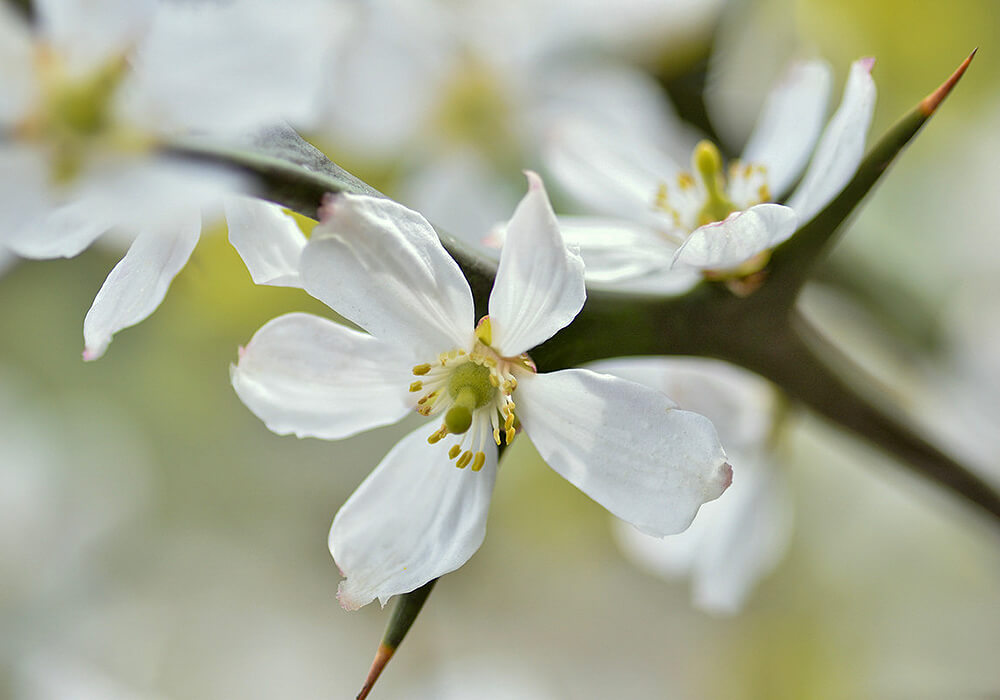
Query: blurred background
[158,541]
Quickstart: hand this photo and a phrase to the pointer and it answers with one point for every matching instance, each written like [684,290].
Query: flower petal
[539,285]
[616,249]
[17,74]
[86,32]
[742,235]
[268,240]
[416,517]
[739,403]
[625,445]
[732,543]
[789,124]
[233,66]
[138,283]
[607,172]
[382,266]
[842,146]
[309,376]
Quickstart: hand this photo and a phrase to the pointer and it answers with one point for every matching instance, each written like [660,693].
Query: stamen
[454,451]
[421,370]
[478,461]
[464,460]
[436,436]
[509,435]
[496,436]
[416,386]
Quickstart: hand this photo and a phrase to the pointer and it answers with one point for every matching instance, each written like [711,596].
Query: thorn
[382,657]
[931,102]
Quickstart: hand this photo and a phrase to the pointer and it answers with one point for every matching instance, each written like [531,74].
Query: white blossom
[417,517]
[661,228]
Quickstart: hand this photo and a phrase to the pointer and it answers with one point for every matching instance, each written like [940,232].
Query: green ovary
[470,388]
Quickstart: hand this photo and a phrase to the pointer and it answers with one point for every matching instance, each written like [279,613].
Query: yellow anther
[493,380]
[660,201]
[416,386]
[454,451]
[424,410]
[508,421]
[484,331]
[685,181]
[509,436]
[421,370]
[464,460]
[764,193]
[476,357]
[496,436]
[478,461]
[438,434]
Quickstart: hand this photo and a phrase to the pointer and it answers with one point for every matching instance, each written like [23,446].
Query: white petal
[732,543]
[606,171]
[624,445]
[747,535]
[622,99]
[789,124]
[17,74]
[138,283]
[841,147]
[741,236]
[614,250]
[86,32]
[233,66]
[63,231]
[416,517]
[268,240]
[739,403]
[309,376]
[381,265]
[461,192]
[539,285]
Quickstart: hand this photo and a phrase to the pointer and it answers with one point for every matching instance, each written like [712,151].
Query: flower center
[708,195]
[74,111]
[473,390]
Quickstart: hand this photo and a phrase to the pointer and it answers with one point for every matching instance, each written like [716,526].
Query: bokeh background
[156,541]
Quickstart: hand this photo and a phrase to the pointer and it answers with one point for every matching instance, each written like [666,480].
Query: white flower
[738,539]
[465,91]
[663,229]
[416,516]
[88,92]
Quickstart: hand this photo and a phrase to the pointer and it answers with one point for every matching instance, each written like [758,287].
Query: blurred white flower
[739,538]
[89,91]
[664,229]
[453,98]
[381,266]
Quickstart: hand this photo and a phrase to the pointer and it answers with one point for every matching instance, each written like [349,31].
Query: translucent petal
[309,376]
[381,265]
[268,240]
[626,446]
[742,235]
[539,286]
[416,517]
[841,147]
[138,283]
[789,124]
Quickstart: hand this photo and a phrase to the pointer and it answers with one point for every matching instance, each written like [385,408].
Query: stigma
[473,392]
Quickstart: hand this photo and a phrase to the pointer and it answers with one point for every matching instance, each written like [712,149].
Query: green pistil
[707,164]
[470,388]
